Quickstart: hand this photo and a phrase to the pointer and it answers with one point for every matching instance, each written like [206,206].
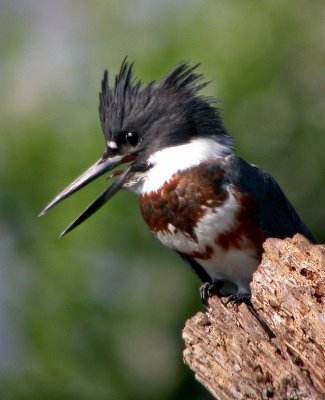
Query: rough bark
[234,357]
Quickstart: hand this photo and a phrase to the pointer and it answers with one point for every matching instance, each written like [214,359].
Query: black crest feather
[183,78]
[174,101]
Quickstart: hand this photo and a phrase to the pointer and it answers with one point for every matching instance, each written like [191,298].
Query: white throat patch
[169,161]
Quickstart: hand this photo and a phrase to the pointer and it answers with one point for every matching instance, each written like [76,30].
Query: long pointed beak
[99,168]
[98,203]
[96,170]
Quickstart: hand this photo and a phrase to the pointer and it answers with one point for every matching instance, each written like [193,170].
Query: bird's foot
[209,289]
[239,298]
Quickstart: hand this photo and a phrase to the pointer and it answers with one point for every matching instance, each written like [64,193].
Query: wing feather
[276,215]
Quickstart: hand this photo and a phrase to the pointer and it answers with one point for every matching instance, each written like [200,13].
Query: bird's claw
[207,290]
[238,298]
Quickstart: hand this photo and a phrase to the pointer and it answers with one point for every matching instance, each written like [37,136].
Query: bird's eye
[132,138]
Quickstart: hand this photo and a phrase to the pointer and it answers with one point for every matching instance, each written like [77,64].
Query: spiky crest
[176,97]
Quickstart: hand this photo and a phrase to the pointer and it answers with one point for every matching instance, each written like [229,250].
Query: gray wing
[276,215]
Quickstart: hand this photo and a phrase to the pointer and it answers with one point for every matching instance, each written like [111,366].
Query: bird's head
[142,123]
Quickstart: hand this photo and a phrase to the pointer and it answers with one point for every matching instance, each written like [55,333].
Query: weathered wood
[232,355]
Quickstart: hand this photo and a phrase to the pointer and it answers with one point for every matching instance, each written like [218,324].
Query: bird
[197,196]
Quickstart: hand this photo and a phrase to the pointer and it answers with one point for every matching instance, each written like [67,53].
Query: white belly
[234,264]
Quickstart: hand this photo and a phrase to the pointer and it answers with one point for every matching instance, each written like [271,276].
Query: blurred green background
[98,314]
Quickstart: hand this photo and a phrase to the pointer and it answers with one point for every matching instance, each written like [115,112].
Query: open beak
[99,168]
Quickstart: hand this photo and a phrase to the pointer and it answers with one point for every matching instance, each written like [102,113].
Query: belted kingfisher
[196,195]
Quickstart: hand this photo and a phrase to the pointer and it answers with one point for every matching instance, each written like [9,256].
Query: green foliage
[98,314]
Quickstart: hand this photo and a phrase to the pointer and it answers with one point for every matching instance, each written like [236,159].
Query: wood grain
[234,357]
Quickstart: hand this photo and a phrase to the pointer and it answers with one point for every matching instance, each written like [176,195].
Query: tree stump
[231,353]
